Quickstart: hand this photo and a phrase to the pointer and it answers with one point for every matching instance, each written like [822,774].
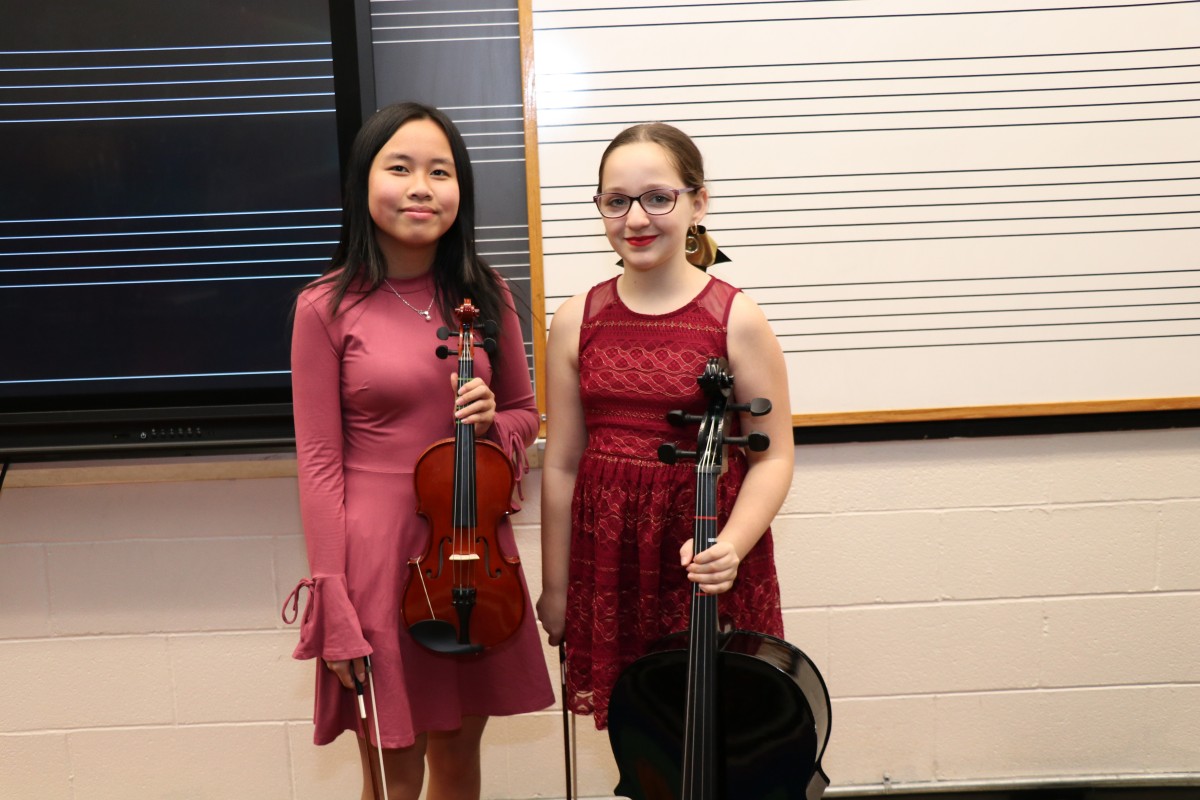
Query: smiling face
[412,194]
[645,241]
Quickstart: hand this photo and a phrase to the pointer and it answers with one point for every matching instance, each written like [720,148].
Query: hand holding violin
[475,403]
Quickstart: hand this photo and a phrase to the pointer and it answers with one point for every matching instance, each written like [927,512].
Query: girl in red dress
[617,525]
[369,397]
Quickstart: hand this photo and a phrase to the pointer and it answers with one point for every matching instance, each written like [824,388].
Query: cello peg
[680,419]
[669,453]
[757,407]
[754,441]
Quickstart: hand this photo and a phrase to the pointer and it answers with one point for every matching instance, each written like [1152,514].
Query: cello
[712,715]
[463,594]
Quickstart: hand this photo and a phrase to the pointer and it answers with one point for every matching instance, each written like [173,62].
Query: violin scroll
[468,318]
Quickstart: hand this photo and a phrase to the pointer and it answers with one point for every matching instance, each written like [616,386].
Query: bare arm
[758,368]
[566,437]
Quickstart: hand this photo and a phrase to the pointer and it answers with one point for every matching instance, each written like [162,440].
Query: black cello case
[773,721]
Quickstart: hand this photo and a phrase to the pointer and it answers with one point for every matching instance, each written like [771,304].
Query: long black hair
[358,264]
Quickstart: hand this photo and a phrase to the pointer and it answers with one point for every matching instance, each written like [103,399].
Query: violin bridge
[464,557]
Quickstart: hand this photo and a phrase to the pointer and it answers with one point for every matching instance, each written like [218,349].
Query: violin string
[464,353]
[469,464]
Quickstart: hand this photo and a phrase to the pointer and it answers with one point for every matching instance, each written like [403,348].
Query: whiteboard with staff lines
[945,209]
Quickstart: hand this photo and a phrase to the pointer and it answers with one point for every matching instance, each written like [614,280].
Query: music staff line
[854,62]
[193,65]
[439,12]
[307,275]
[877,96]
[761,117]
[1018,309]
[751,289]
[935,329]
[161,265]
[786,227]
[277,96]
[197,214]
[1035,293]
[965,170]
[681,22]
[1027,234]
[727,212]
[972,278]
[996,343]
[749,84]
[908,128]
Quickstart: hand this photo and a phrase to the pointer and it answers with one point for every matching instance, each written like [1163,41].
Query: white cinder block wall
[984,610]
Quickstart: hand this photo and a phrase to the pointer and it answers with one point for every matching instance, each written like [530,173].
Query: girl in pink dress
[618,569]
[370,395]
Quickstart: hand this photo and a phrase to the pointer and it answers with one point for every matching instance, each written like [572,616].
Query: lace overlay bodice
[632,513]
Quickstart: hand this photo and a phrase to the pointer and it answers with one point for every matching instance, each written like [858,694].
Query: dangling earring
[701,250]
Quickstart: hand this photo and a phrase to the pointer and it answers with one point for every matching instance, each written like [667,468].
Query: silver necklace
[424,313]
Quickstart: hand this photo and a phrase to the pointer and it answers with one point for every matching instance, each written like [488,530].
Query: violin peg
[489,327]
[488,345]
[443,333]
[443,351]
[677,418]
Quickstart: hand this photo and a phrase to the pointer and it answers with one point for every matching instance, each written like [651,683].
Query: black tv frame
[205,421]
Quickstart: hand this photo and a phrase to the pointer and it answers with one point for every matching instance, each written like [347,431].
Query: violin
[464,593]
[711,715]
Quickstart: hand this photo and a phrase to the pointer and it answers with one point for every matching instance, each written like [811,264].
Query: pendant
[427,317]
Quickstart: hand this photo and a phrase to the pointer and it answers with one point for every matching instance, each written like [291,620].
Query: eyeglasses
[656,201]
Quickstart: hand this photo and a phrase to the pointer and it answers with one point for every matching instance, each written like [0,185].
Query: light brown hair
[681,150]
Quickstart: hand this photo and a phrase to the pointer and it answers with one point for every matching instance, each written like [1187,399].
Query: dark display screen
[170,180]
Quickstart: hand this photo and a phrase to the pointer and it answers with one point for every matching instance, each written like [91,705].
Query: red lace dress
[630,512]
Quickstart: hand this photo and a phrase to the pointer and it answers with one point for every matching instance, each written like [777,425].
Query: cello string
[697,770]
[714,452]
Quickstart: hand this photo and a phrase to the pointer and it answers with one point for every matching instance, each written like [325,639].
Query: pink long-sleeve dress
[369,397]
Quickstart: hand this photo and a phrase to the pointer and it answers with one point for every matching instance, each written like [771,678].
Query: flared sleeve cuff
[513,444]
[329,628]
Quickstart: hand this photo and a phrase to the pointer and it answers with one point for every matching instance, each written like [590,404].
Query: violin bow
[362,715]
[568,720]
